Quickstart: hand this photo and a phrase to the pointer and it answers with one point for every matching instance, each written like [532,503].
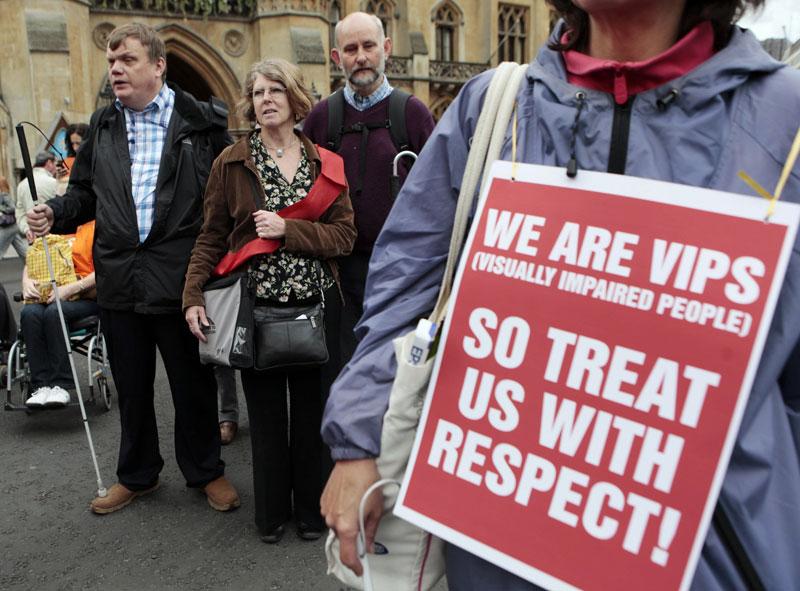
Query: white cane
[26,160]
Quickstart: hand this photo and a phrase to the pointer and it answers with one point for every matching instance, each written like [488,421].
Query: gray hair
[43,158]
[375,21]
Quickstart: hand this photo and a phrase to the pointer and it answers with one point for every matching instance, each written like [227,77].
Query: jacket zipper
[620,132]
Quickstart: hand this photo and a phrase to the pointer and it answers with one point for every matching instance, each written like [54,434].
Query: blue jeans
[44,341]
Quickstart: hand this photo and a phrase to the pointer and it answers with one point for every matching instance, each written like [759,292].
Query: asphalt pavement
[170,539]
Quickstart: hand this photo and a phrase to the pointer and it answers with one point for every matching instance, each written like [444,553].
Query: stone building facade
[53,69]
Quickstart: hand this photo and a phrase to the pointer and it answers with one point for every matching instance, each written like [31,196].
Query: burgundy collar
[623,79]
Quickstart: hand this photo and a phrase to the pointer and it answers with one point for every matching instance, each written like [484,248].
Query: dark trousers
[353,273]
[132,340]
[290,461]
[45,348]
[467,572]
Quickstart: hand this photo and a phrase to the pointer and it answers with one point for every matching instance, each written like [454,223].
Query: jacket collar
[623,79]
[164,99]
[189,112]
[730,67]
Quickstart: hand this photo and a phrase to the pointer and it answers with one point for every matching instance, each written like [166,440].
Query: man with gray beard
[367,116]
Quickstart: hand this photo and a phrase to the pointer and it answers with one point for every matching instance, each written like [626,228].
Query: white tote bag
[408,558]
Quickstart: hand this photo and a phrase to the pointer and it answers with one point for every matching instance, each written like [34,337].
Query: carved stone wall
[201,8]
[54,65]
[455,71]
[304,6]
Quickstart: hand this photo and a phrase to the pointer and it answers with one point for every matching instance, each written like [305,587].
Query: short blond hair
[277,70]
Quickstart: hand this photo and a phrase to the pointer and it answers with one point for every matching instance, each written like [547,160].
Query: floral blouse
[281,275]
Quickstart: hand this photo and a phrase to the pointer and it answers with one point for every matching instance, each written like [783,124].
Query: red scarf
[327,187]
[623,79]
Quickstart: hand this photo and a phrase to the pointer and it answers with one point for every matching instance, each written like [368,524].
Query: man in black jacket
[142,172]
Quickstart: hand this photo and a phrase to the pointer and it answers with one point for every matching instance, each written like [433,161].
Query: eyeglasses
[274,92]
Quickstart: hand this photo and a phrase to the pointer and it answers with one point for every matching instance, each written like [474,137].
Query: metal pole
[26,160]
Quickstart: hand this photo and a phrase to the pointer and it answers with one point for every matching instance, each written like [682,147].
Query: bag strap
[318,275]
[485,149]
[395,123]
[397,119]
[335,120]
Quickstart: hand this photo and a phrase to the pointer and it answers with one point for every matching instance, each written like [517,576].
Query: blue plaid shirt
[147,130]
[362,103]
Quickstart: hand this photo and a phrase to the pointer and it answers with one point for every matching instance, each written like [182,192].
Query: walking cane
[26,160]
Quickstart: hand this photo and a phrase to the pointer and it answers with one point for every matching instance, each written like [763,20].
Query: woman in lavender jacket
[661,89]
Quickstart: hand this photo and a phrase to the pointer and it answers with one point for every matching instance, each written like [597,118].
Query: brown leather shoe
[227,431]
[118,497]
[221,495]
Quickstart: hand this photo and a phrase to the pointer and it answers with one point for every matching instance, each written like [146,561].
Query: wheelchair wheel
[105,391]
[16,378]
[99,370]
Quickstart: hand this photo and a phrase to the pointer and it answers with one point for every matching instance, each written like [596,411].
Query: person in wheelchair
[48,360]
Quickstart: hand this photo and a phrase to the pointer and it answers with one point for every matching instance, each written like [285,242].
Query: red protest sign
[601,341]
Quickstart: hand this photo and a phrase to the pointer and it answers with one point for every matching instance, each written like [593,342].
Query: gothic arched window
[384,10]
[512,33]
[334,16]
[446,19]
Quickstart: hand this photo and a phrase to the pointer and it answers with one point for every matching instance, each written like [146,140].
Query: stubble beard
[363,82]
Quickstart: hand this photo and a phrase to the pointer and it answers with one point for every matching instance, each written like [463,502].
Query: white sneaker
[57,396]
[38,399]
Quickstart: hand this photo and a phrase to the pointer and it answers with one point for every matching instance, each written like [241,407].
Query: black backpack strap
[219,112]
[397,118]
[395,123]
[734,546]
[335,120]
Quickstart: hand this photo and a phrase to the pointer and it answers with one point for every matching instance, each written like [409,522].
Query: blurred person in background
[10,234]
[44,175]
[73,138]
[227,403]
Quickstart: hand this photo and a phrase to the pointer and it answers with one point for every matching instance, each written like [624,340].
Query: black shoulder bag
[291,336]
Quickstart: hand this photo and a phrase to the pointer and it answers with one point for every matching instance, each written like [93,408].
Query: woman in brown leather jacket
[276,166]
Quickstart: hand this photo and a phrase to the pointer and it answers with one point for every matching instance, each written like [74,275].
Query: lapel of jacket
[114,125]
[119,136]
[178,130]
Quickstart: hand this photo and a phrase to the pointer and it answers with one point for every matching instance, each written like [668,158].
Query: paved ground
[168,540]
